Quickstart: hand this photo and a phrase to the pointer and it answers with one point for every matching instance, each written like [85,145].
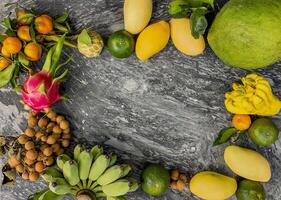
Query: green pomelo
[247,33]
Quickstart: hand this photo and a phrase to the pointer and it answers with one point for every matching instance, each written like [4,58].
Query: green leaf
[224,135]
[198,23]
[13,80]
[22,59]
[62,18]
[2,37]
[8,23]
[10,33]
[6,75]
[9,176]
[84,38]
[28,16]
[61,27]
[37,195]
[32,33]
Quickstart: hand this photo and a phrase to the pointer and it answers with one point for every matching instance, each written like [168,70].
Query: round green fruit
[246,33]
[156,180]
[121,44]
[250,190]
[263,132]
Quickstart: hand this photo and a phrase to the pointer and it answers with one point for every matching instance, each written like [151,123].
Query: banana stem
[98,189]
[89,184]
[84,183]
[93,185]
[80,186]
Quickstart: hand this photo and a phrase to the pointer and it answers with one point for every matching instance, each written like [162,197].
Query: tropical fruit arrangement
[244,34]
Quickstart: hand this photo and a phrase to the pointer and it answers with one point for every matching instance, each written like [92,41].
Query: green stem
[55,38]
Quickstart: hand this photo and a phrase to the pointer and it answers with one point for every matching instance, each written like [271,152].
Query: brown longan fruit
[51,139]
[25,175]
[20,168]
[64,124]
[23,139]
[33,176]
[65,143]
[59,152]
[66,136]
[48,151]
[30,132]
[40,156]
[44,146]
[42,123]
[59,118]
[38,135]
[31,114]
[51,114]
[183,178]
[57,130]
[44,138]
[28,161]
[66,131]
[39,167]
[180,185]
[29,145]
[56,147]
[49,161]
[173,185]
[13,161]
[32,122]
[31,154]
[175,174]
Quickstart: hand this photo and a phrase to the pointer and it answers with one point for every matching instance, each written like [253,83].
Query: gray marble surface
[168,109]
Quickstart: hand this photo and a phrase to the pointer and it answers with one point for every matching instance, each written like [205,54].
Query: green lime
[156,179]
[121,44]
[250,190]
[263,132]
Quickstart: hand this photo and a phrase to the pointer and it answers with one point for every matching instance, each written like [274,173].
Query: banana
[50,173]
[134,184]
[115,198]
[61,160]
[85,161]
[113,159]
[97,151]
[77,150]
[71,172]
[100,195]
[60,186]
[98,167]
[49,195]
[118,188]
[113,173]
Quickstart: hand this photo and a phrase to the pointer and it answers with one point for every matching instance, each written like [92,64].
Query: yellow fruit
[23,33]
[4,63]
[183,39]
[33,51]
[212,186]
[12,45]
[247,163]
[137,14]
[152,40]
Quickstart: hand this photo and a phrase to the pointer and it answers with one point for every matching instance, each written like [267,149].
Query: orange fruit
[241,122]
[23,21]
[23,33]
[12,45]
[33,51]
[44,24]
[4,63]
[5,53]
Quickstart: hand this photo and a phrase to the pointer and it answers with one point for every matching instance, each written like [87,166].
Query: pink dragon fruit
[40,91]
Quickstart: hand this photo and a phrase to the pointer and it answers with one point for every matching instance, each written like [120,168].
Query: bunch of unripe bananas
[90,175]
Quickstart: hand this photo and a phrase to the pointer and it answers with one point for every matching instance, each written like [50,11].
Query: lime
[263,132]
[250,190]
[121,44]
[156,179]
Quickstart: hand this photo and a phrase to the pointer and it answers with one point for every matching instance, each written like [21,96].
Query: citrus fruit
[121,44]
[156,180]
[263,132]
[241,122]
[250,190]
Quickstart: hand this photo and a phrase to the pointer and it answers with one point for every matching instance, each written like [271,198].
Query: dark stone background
[168,109]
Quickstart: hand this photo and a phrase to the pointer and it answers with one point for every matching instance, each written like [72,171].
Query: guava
[247,33]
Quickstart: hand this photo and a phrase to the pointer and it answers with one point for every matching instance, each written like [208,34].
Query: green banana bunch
[90,175]
[60,186]
[71,172]
[98,167]
[85,162]
[61,160]
[113,173]
[50,173]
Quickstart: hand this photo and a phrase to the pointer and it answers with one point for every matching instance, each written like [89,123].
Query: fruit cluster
[45,138]
[90,174]
[178,180]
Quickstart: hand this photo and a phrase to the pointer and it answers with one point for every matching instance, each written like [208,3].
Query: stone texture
[168,109]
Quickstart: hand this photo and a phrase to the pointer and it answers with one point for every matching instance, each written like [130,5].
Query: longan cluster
[178,180]
[43,140]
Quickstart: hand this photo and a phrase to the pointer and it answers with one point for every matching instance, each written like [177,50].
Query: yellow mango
[247,163]
[152,40]
[137,14]
[212,186]
[183,39]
